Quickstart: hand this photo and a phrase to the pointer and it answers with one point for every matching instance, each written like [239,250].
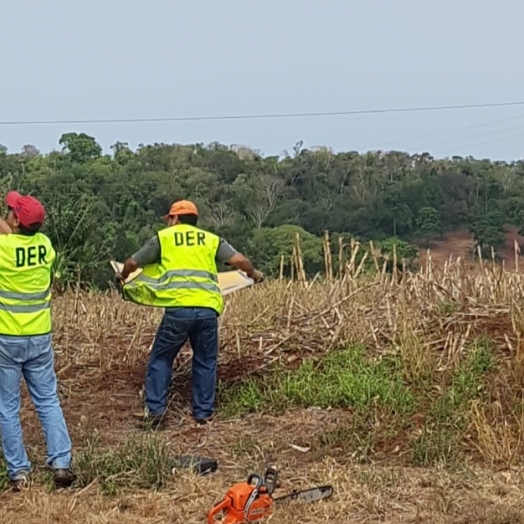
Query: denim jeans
[200,325]
[33,359]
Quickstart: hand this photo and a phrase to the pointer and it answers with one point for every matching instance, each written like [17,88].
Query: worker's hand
[120,278]
[258,276]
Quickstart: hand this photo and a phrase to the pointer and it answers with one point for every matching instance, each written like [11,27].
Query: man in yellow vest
[180,274]
[26,259]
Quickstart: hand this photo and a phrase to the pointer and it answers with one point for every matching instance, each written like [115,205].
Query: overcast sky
[104,59]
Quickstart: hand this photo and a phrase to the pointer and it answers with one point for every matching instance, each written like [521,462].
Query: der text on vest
[190,238]
[30,256]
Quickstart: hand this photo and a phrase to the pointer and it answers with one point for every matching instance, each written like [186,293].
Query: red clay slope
[460,243]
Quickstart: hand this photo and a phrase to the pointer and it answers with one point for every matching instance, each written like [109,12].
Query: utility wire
[438,133]
[499,132]
[258,116]
[485,143]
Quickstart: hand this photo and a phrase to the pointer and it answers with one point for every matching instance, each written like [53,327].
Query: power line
[489,142]
[259,116]
[479,135]
[439,133]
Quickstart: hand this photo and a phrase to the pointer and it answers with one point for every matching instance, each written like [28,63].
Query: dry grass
[453,338]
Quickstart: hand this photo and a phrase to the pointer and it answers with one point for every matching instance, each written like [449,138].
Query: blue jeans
[32,358]
[200,325]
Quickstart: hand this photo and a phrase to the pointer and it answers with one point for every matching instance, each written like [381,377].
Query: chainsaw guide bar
[307,495]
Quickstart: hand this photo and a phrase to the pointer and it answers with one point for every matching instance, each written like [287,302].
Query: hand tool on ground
[200,465]
[248,502]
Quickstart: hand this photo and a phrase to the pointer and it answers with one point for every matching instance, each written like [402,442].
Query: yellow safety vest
[25,284]
[186,275]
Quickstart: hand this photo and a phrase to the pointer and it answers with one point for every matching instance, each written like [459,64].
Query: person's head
[182,212]
[25,213]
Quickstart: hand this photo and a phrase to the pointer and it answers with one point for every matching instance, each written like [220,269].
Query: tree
[258,195]
[428,223]
[395,210]
[81,236]
[519,220]
[403,251]
[80,147]
[488,232]
[29,152]
[121,152]
[269,244]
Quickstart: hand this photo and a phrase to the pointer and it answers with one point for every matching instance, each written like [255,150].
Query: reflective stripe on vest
[17,308]
[186,275]
[25,284]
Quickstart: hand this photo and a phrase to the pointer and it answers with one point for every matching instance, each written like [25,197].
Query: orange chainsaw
[249,502]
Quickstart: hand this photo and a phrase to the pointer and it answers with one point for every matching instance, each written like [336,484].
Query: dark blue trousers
[200,326]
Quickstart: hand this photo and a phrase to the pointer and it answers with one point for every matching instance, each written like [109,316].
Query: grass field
[403,391]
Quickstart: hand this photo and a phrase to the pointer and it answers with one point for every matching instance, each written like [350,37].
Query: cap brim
[12,198]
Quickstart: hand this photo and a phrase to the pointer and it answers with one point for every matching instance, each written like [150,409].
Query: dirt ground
[102,347]
[460,243]
[368,493]
[363,493]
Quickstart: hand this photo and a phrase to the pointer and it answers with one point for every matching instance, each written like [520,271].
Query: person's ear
[12,219]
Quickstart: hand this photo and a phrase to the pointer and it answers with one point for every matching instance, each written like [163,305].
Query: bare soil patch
[460,243]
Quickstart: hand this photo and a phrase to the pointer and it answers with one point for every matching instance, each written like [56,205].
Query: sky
[136,59]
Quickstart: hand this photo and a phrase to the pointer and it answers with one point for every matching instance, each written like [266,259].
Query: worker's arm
[130,266]
[239,261]
[229,255]
[149,253]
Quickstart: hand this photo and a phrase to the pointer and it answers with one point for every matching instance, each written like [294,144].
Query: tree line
[104,206]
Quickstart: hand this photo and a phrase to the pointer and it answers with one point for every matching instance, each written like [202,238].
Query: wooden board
[229,281]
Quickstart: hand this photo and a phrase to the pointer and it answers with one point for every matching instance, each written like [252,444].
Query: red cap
[27,209]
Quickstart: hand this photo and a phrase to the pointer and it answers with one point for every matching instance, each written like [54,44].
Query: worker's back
[25,284]
[186,275]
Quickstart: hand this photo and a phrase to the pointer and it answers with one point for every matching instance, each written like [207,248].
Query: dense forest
[104,206]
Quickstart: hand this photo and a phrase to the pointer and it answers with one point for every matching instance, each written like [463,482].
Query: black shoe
[151,421]
[20,482]
[154,422]
[63,478]
[204,421]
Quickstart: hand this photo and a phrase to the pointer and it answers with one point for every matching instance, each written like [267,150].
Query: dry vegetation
[402,390]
